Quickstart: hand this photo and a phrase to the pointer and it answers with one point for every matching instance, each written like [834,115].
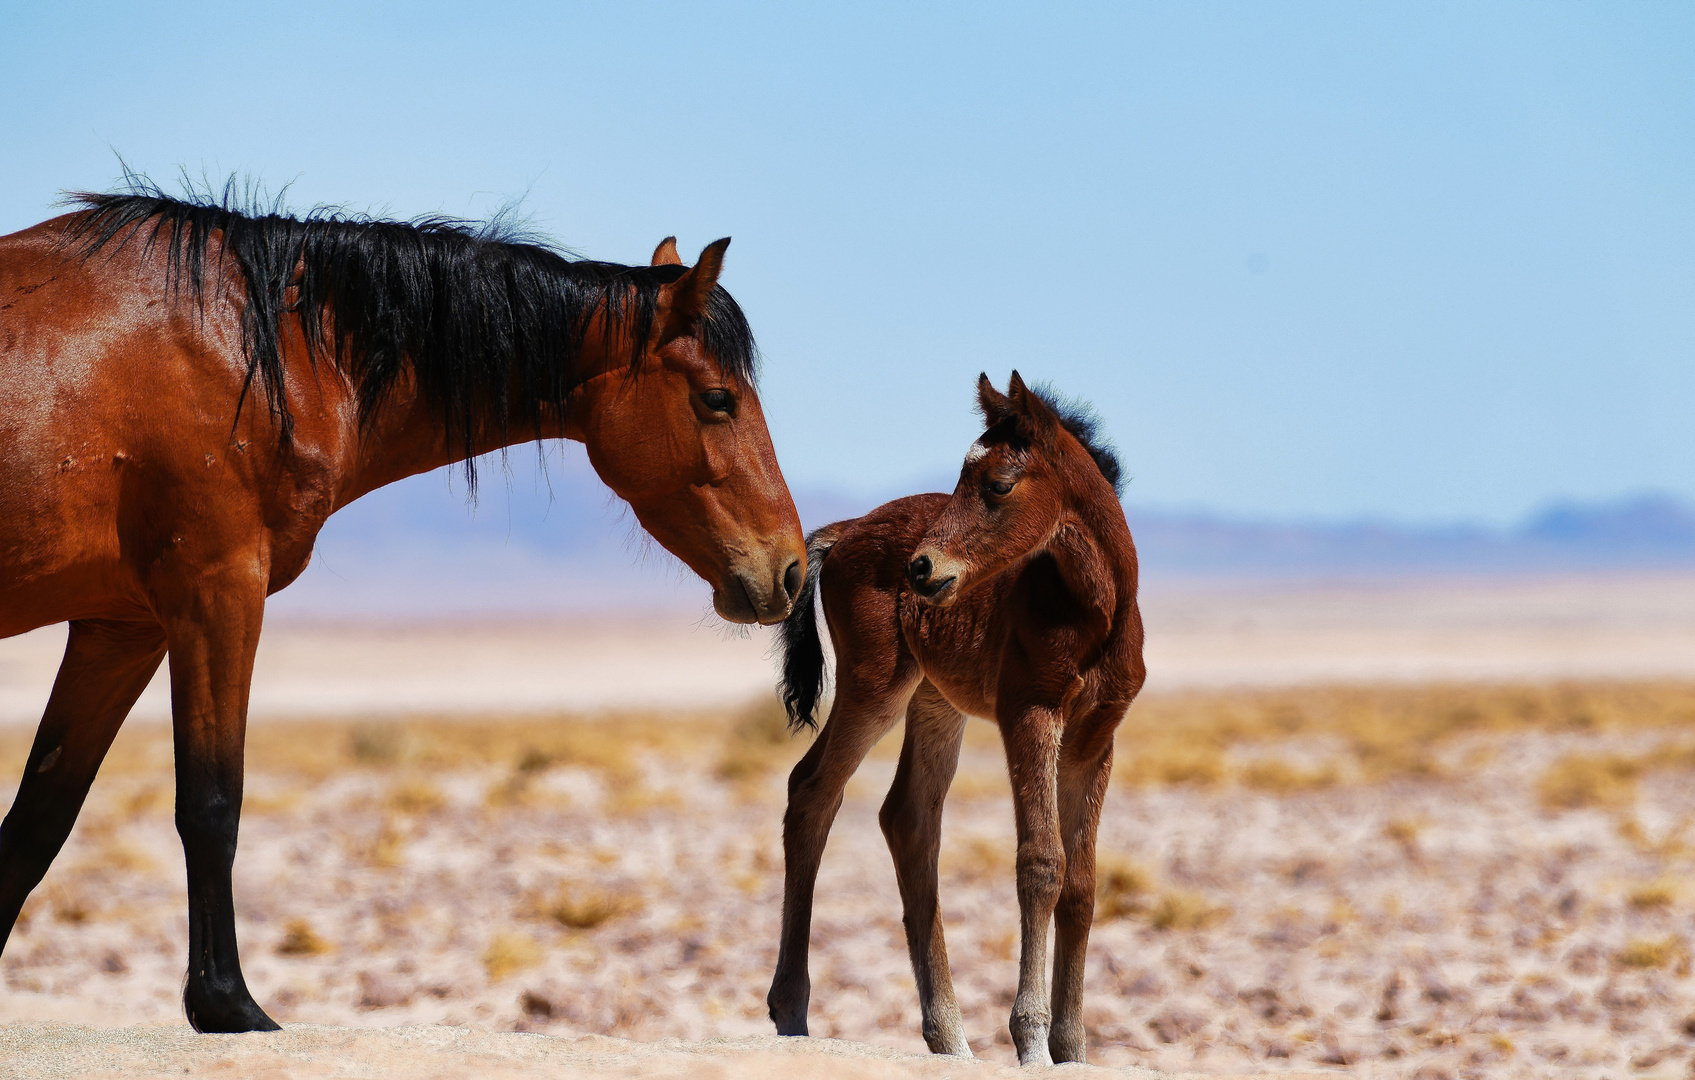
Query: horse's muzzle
[757,594]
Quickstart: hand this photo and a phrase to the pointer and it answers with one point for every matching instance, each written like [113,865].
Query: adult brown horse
[187,392]
[1015,598]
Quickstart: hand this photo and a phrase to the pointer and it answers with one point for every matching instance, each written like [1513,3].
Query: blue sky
[1422,261]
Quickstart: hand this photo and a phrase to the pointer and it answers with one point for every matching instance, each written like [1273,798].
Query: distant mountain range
[1636,533]
[548,542]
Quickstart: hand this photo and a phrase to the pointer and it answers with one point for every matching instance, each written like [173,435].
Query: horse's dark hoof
[789,1017]
[230,1013]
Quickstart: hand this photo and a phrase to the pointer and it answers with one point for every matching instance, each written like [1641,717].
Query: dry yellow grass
[385,849]
[299,939]
[1386,732]
[1582,780]
[1176,757]
[1650,952]
[981,784]
[415,795]
[275,802]
[1653,894]
[69,905]
[977,859]
[1277,775]
[313,749]
[633,798]
[1126,889]
[1345,736]
[117,855]
[587,908]
[509,954]
[1121,887]
[1179,909]
[1403,831]
[757,744]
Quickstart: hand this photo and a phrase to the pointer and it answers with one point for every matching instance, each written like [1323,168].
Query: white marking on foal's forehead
[976,452]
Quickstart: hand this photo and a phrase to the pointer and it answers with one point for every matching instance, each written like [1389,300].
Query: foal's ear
[991,402]
[1029,404]
[666,253]
[1017,392]
[685,299]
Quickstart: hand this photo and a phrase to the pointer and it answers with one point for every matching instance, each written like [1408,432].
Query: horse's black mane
[482,313]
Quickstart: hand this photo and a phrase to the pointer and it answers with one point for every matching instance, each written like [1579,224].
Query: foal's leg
[1032,738]
[912,824]
[106,667]
[1083,774]
[213,624]
[863,712]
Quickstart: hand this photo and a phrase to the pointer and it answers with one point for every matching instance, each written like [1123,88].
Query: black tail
[803,651]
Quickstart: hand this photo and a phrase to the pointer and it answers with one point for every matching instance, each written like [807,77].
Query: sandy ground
[311,1052]
[1617,626]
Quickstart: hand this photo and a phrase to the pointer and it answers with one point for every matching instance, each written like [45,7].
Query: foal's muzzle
[922,574]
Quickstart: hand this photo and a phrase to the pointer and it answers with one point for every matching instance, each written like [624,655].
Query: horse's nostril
[919,571]
[791,580]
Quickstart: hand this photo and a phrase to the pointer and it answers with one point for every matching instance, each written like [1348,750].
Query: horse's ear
[991,402]
[687,296]
[666,253]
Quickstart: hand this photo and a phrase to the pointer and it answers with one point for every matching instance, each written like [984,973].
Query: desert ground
[1417,833]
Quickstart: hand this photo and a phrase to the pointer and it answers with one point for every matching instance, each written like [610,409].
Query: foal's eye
[719,401]
[1000,487]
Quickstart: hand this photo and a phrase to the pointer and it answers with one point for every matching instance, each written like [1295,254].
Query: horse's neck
[408,434]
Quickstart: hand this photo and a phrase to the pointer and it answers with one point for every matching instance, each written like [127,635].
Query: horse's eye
[719,401]
[1000,487]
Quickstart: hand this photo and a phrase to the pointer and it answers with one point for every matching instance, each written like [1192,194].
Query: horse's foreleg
[106,667]
[912,824]
[213,625]
[1032,751]
[857,720]
[1083,777]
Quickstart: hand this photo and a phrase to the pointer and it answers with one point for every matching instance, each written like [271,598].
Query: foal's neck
[1097,561]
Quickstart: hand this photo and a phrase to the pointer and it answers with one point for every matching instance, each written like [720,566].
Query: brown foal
[188,392]
[1013,598]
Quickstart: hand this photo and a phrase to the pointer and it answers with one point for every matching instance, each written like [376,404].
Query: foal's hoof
[1031,1039]
[231,1013]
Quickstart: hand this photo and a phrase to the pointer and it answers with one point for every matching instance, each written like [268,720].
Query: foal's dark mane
[483,313]
[1078,417]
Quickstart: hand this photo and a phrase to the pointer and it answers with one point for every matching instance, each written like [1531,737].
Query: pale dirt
[1423,928]
[45,1051]
[48,1051]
